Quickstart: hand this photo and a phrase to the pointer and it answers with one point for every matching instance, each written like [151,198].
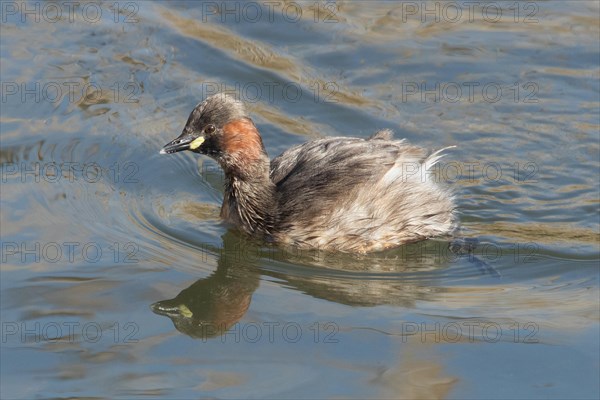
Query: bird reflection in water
[211,306]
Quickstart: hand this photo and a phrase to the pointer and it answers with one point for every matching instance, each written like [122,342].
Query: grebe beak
[183,142]
[171,310]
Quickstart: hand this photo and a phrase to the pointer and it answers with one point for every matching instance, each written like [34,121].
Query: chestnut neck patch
[242,141]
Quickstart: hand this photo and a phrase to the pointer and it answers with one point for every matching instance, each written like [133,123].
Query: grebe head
[208,125]
[220,128]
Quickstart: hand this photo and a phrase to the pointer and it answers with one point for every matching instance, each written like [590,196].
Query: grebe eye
[210,129]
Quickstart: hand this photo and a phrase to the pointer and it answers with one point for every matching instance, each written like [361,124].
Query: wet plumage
[343,194]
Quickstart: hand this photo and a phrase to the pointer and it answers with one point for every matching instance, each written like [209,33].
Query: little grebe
[344,194]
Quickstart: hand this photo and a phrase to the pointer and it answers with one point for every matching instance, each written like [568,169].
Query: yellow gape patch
[196,143]
[184,310]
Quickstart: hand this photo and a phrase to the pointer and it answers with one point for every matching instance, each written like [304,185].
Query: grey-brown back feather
[351,194]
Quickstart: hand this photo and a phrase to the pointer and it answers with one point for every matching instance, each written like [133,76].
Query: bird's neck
[250,197]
